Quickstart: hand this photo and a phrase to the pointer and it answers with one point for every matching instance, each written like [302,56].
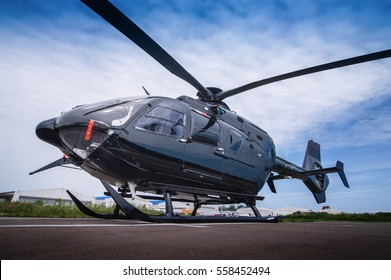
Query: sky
[55,55]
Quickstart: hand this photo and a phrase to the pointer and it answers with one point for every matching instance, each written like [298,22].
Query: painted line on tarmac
[96,225]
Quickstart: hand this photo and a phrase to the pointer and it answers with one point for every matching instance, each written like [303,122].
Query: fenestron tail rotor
[127,27]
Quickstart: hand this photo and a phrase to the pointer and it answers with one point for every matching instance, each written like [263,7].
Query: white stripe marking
[97,225]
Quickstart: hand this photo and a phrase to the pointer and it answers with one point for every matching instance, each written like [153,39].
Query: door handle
[220,152]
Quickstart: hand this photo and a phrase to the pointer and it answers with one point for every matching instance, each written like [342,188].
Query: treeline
[58,210]
[324,216]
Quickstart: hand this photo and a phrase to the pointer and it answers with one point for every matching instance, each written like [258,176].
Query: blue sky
[55,55]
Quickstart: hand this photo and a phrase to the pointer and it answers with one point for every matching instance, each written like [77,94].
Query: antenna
[146,91]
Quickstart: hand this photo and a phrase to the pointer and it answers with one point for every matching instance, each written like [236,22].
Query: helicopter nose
[45,131]
[79,134]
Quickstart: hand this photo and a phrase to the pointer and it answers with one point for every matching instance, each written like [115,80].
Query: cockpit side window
[167,118]
[204,129]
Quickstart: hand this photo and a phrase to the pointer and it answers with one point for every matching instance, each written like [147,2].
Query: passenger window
[204,129]
[236,140]
[257,132]
[164,120]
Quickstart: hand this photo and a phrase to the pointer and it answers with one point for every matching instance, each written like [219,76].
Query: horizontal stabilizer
[341,173]
[337,169]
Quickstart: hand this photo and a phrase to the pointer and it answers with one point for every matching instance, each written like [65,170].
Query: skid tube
[133,213]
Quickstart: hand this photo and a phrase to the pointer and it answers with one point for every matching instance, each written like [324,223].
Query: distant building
[137,201]
[47,196]
[53,196]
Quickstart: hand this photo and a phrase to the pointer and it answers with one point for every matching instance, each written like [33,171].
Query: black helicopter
[185,149]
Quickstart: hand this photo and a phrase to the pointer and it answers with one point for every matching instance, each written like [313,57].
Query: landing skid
[133,213]
[92,213]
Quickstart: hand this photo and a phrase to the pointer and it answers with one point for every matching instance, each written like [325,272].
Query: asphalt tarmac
[94,239]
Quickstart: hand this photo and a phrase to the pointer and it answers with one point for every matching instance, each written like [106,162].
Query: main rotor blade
[323,67]
[127,27]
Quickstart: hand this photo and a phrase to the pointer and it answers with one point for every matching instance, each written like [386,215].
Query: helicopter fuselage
[190,150]
[160,141]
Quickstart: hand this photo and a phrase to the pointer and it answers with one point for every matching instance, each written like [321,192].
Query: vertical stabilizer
[317,183]
[312,155]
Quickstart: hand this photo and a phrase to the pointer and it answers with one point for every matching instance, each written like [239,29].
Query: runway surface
[69,239]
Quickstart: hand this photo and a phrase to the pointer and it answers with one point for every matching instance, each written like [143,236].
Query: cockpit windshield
[113,113]
[118,114]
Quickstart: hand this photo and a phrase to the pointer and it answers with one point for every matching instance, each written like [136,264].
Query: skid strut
[133,213]
[169,207]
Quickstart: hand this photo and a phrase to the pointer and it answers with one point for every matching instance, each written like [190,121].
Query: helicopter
[193,150]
